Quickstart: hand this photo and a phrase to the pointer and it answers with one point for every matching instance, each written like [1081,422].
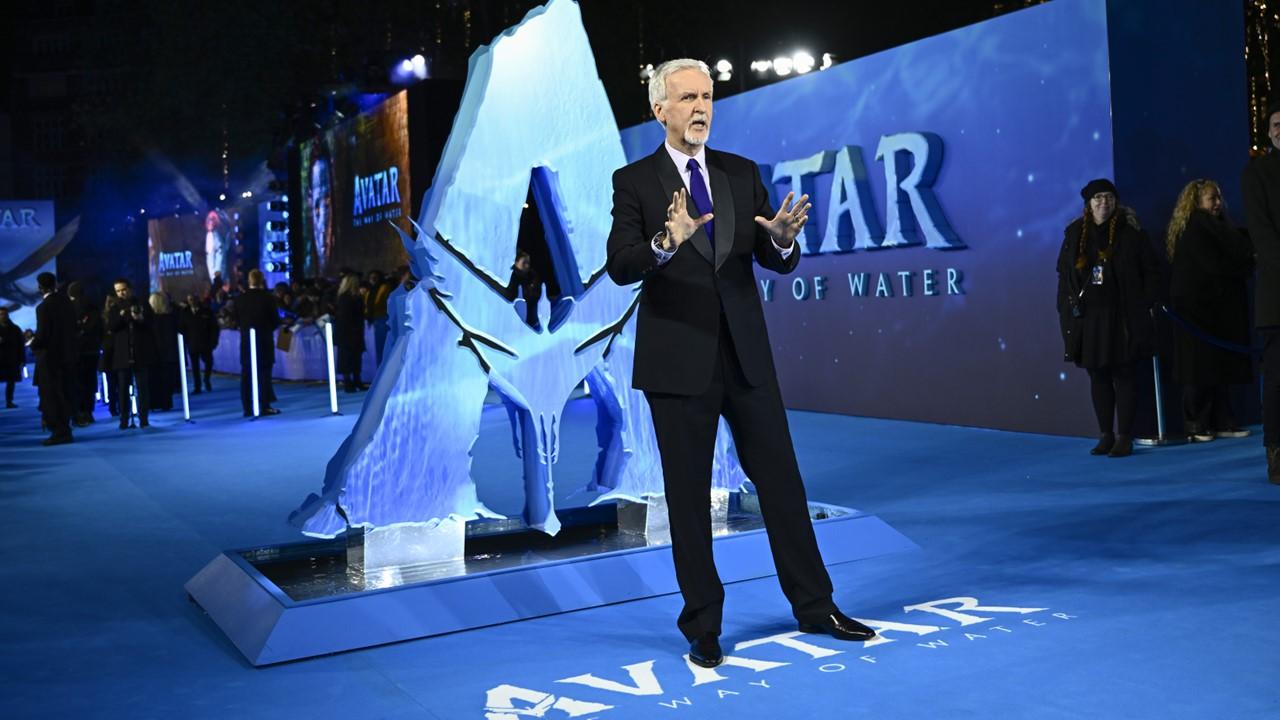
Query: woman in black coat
[1107,283]
[348,332]
[164,375]
[1212,264]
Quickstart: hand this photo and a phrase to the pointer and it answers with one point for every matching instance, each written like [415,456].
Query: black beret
[1094,187]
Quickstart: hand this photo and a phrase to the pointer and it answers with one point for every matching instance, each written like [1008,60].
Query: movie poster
[188,253]
[27,248]
[355,183]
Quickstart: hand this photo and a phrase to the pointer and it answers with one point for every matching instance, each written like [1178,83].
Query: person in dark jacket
[1107,284]
[13,355]
[1261,189]
[256,310]
[200,335]
[133,353]
[525,283]
[106,361]
[1211,264]
[164,375]
[89,330]
[348,333]
[56,346]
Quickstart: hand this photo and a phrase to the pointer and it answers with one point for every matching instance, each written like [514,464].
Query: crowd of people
[131,342]
[1112,283]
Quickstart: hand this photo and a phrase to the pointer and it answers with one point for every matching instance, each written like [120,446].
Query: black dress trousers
[686,427]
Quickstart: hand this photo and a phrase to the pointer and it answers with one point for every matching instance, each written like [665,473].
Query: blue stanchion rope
[1206,337]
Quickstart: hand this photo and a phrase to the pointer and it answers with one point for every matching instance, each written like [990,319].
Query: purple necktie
[701,200]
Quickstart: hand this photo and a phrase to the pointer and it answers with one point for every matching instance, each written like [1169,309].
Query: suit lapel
[671,184]
[722,199]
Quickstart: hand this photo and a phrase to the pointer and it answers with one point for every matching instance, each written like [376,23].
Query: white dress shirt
[681,161]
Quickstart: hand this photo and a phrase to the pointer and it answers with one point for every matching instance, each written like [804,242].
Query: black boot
[1104,444]
[1123,447]
[1273,464]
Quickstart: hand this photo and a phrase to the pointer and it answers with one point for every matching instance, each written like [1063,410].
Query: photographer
[133,351]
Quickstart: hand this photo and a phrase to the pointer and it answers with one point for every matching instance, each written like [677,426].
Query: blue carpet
[1155,579]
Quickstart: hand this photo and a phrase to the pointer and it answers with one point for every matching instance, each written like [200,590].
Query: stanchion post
[333,381]
[253,369]
[106,394]
[182,367]
[133,400]
[1160,438]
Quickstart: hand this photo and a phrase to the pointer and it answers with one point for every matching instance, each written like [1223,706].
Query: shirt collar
[681,160]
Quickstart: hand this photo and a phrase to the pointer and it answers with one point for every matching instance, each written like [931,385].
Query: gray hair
[658,83]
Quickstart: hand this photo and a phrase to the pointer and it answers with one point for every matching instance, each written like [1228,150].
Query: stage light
[802,62]
[285,214]
[406,66]
[724,70]
[762,66]
[646,72]
[222,197]
[827,61]
[142,211]
[284,198]
[782,66]
[419,64]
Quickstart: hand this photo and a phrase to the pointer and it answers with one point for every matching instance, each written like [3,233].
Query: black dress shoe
[705,651]
[1123,447]
[839,626]
[271,411]
[57,440]
[1104,445]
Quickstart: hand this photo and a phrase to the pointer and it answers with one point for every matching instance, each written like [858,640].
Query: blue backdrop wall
[988,133]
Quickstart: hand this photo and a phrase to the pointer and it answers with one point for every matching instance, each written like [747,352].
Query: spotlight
[827,61]
[419,67]
[222,197]
[142,211]
[724,70]
[782,66]
[406,66]
[646,72]
[284,198]
[761,66]
[802,61]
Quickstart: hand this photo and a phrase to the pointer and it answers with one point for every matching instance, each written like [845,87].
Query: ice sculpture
[534,116]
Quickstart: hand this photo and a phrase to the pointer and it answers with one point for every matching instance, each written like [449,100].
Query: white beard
[692,139]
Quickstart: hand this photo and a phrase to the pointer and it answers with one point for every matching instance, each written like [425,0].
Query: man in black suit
[687,222]
[133,353]
[56,346]
[256,309]
[1261,187]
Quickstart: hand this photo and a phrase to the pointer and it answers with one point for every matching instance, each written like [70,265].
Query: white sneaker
[1201,437]
[1233,433]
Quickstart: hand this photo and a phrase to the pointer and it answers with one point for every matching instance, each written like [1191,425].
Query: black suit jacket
[683,301]
[256,308]
[132,341]
[1261,187]
[57,341]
